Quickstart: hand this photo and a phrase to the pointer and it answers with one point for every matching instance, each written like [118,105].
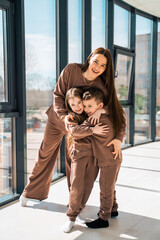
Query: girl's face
[76,104]
[97,65]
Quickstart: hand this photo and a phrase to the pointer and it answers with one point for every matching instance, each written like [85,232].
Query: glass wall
[143,78]
[121,27]
[158,86]
[98,23]
[6,180]
[123,80]
[123,61]
[3,58]
[40,41]
[75,31]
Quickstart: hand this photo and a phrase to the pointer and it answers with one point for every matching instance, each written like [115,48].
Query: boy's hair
[94,93]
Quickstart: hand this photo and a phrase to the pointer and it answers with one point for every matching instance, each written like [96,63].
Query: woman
[96,72]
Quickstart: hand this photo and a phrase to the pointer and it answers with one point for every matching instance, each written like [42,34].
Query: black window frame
[10,105]
[125,52]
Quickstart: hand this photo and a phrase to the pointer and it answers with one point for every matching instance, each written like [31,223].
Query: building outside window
[158,86]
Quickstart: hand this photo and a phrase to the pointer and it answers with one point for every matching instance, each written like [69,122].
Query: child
[83,169]
[109,166]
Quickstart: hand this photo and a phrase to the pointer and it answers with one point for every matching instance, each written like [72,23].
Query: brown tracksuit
[83,174]
[109,166]
[41,176]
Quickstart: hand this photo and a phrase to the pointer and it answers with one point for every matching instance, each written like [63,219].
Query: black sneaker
[98,223]
[113,214]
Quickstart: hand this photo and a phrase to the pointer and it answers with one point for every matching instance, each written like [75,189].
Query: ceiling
[149,6]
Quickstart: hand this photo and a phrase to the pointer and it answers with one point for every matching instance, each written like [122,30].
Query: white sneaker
[23,201]
[80,218]
[67,226]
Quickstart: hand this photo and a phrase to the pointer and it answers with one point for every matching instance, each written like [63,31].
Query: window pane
[143,78]
[98,24]
[5,157]
[75,30]
[158,86]
[3,58]
[40,41]
[121,27]
[123,70]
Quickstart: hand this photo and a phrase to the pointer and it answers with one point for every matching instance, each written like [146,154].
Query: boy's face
[91,106]
[76,104]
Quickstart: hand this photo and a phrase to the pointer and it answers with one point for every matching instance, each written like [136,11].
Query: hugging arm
[84,130]
[95,117]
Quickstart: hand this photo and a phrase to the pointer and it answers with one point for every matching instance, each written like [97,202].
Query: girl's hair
[115,109]
[78,118]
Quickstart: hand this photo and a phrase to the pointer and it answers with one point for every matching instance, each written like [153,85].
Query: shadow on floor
[125,227]
[49,206]
[56,207]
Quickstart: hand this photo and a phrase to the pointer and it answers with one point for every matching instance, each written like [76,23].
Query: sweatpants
[41,176]
[107,181]
[83,175]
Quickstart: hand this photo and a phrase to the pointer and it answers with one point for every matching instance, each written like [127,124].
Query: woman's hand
[100,130]
[94,118]
[117,147]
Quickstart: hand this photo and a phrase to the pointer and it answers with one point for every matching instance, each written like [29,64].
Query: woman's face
[97,65]
[76,104]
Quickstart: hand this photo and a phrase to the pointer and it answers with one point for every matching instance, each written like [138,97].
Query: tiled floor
[138,193]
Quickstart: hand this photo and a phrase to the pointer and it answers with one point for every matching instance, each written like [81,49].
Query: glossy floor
[138,193]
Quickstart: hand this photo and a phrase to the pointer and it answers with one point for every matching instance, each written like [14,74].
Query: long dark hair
[115,109]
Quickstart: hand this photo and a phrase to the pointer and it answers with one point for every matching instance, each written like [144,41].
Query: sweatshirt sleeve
[60,92]
[80,131]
